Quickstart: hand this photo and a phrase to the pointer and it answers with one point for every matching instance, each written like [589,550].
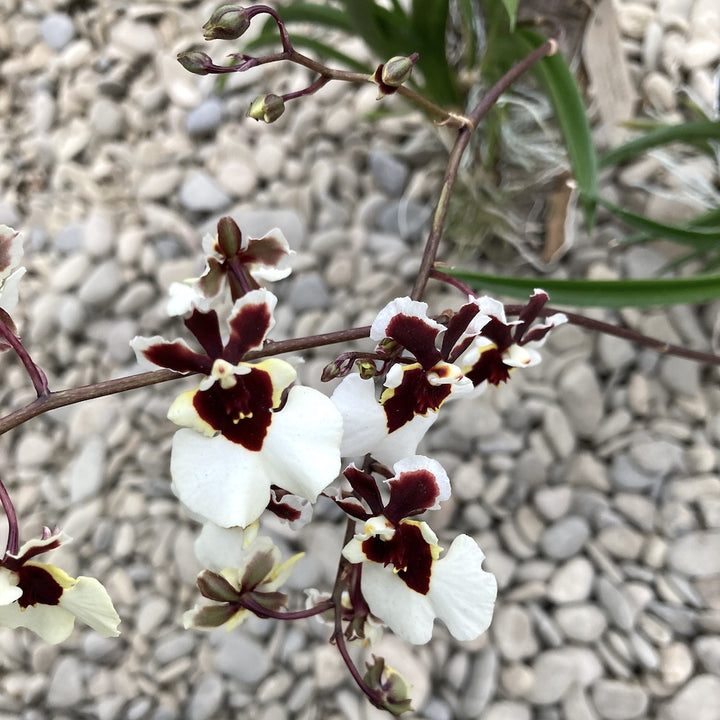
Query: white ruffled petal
[302,447]
[404,441]
[420,462]
[9,291]
[51,622]
[461,592]
[218,548]
[401,306]
[219,480]
[90,603]
[364,421]
[407,613]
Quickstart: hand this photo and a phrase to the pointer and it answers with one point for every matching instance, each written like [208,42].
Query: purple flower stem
[11,547]
[37,376]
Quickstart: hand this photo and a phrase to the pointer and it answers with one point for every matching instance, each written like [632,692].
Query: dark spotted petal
[250,322]
[205,326]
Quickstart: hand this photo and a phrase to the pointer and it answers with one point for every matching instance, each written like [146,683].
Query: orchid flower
[46,600]
[404,580]
[246,428]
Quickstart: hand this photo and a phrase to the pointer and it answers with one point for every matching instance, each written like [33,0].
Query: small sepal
[393,691]
[216,587]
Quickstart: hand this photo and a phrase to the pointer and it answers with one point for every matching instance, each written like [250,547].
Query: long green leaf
[698,239]
[600,293]
[692,133]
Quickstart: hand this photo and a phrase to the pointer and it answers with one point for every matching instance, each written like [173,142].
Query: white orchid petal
[404,441]
[217,548]
[51,622]
[9,291]
[90,603]
[364,421]
[219,480]
[9,590]
[461,592]
[302,447]
[407,613]
[420,462]
[401,306]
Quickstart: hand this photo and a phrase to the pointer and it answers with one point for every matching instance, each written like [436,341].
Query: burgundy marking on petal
[457,326]
[414,396]
[489,367]
[411,493]
[416,336]
[38,586]
[248,329]
[205,326]
[179,357]
[267,250]
[283,510]
[366,487]
[241,413]
[210,281]
[353,508]
[536,334]
[499,333]
[408,552]
[530,313]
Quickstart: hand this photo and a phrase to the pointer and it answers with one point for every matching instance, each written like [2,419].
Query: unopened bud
[229,236]
[267,108]
[367,369]
[394,691]
[195,62]
[228,22]
[398,69]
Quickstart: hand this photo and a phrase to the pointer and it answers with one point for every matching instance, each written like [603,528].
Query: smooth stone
[616,604]
[200,193]
[680,376]
[107,118]
[389,174]
[616,700]
[559,432]
[309,292]
[205,118]
[507,710]
[580,394]
[99,233]
[707,651]
[676,664]
[482,682]
[240,657]
[101,284]
[57,30]
[698,700]
[34,449]
[174,646]
[621,541]
[66,686]
[565,537]
[696,553]
[572,582]
[553,674]
[206,698]
[87,469]
[513,632]
[133,38]
[582,623]
[553,502]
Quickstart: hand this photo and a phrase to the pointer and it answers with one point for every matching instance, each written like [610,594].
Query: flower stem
[256,608]
[458,149]
[11,548]
[37,376]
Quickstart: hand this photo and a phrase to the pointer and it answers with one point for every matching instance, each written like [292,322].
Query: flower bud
[228,22]
[267,108]
[367,369]
[195,62]
[216,587]
[398,69]
[229,237]
[394,691]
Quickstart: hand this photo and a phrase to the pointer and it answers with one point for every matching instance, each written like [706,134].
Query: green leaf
[600,293]
[685,235]
[691,133]
[511,6]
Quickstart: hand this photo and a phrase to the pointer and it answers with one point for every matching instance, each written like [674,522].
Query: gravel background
[590,481]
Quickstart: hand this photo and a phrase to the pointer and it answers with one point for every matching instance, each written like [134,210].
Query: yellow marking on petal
[282,375]
[182,412]
[58,575]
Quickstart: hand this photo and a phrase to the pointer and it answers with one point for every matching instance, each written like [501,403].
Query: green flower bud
[367,369]
[398,69]
[229,236]
[267,108]
[195,62]
[228,22]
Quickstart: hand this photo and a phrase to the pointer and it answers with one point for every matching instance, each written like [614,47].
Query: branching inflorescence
[252,441]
